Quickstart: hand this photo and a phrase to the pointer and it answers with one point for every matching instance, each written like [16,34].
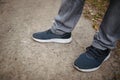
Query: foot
[49,36]
[92,59]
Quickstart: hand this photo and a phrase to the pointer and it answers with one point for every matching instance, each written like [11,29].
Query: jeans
[109,31]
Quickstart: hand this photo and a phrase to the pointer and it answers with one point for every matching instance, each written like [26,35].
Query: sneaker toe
[36,35]
[86,62]
[39,35]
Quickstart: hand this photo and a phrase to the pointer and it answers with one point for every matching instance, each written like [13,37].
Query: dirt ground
[21,58]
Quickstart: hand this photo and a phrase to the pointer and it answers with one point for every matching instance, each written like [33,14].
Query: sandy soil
[21,58]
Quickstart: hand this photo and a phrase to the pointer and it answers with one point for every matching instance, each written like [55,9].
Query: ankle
[57,32]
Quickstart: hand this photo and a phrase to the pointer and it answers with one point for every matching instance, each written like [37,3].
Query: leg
[68,15]
[103,42]
[109,31]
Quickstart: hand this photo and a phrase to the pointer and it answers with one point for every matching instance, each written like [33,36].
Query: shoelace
[96,53]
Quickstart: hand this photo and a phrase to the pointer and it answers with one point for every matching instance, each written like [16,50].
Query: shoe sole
[54,40]
[93,69]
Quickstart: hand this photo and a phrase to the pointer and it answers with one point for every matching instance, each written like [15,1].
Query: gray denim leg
[109,31]
[68,16]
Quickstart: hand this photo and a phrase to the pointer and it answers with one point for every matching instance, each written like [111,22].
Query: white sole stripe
[54,40]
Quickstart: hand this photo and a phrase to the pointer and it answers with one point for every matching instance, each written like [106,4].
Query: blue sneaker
[92,59]
[49,36]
